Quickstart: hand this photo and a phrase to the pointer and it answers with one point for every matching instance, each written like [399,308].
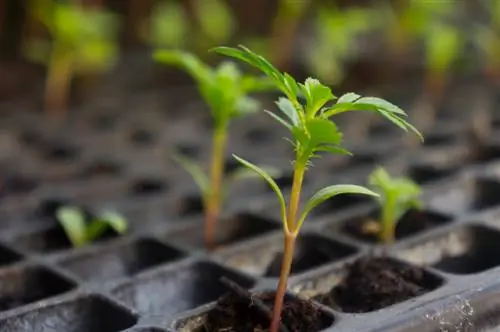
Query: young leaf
[215,19]
[271,183]
[73,222]
[198,175]
[329,192]
[114,220]
[286,106]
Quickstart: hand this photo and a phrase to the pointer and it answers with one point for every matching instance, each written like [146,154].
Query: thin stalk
[286,267]
[58,82]
[213,203]
[387,231]
[289,246]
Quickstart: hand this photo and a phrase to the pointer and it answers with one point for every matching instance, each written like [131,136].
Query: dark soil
[375,283]
[236,314]
[11,302]
[413,222]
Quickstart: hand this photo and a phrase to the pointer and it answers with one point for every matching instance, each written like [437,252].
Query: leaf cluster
[81,231]
[396,195]
[310,125]
[87,35]
[224,88]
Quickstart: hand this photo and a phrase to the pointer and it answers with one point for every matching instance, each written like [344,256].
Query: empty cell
[176,290]
[24,285]
[466,250]
[89,314]
[45,241]
[7,256]
[120,261]
[424,174]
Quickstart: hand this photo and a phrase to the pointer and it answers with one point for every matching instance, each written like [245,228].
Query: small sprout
[396,197]
[312,132]
[167,26]
[83,41]
[81,231]
[226,90]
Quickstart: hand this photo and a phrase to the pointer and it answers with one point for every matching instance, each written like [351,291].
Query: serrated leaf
[196,172]
[286,106]
[333,150]
[323,131]
[317,95]
[72,220]
[271,183]
[380,104]
[329,192]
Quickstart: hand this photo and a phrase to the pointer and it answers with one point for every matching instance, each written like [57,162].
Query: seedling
[83,41]
[312,133]
[169,28]
[443,45]
[336,33]
[81,231]
[225,89]
[396,197]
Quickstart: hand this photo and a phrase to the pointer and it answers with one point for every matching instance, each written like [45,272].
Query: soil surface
[375,283]
[411,223]
[235,313]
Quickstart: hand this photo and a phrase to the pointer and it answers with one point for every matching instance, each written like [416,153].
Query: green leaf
[286,106]
[329,192]
[349,97]
[317,95]
[73,222]
[114,220]
[247,105]
[259,62]
[198,70]
[279,119]
[323,131]
[196,173]
[268,178]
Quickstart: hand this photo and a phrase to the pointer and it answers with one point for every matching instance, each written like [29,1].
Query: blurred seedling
[336,32]
[82,41]
[82,229]
[169,28]
[226,91]
[396,197]
[313,133]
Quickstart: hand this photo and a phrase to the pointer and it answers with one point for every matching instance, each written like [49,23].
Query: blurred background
[347,44]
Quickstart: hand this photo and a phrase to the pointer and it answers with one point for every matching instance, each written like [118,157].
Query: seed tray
[158,278]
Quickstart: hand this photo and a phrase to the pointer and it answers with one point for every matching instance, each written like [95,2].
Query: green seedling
[335,36]
[81,231]
[313,133]
[226,90]
[169,28]
[443,46]
[407,22]
[396,197]
[284,30]
[82,41]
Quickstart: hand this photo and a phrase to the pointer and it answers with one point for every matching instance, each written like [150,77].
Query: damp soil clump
[375,283]
[242,311]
